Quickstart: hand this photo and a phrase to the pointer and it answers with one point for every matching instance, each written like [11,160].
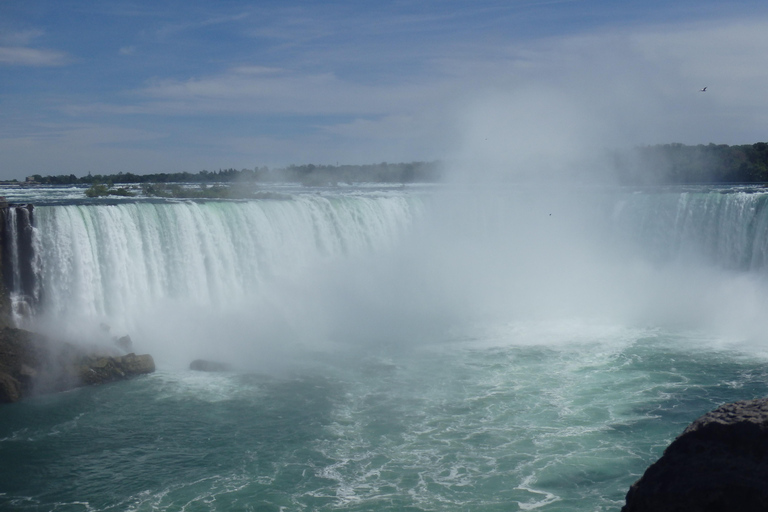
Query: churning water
[391,349]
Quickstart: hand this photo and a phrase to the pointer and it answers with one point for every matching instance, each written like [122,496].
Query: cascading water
[725,228]
[114,264]
[416,349]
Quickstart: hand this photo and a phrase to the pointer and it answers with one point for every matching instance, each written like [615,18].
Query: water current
[391,349]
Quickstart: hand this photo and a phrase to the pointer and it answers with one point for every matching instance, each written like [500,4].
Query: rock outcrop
[718,463]
[21,353]
[30,364]
[100,370]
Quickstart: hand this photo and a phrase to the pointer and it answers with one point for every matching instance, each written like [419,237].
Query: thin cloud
[175,28]
[15,50]
[83,133]
[255,89]
[339,95]
[20,56]
[22,38]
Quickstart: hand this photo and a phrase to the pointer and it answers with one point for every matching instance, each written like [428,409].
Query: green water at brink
[482,423]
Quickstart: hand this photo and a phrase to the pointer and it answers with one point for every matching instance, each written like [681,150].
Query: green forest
[309,174]
[681,164]
[658,164]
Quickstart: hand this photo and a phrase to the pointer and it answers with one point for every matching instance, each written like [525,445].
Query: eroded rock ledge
[720,462]
[30,364]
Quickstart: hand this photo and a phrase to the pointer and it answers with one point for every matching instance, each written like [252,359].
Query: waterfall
[510,251]
[727,229]
[107,261]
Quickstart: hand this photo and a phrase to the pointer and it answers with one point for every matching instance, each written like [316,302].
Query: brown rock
[106,369]
[720,462]
[10,389]
[125,343]
[30,364]
[138,364]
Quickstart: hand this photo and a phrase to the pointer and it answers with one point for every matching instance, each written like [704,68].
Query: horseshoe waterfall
[415,348]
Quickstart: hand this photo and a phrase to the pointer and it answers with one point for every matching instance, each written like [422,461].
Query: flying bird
[704,90]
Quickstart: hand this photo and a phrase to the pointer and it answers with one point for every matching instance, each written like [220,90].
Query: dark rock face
[30,364]
[125,343]
[719,463]
[201,365]
[100,370]
[17,260]
[10,388]
[20,353]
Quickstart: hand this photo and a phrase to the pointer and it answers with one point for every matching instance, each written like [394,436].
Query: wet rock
[27,372]
[21,352]
[138,364]
[30,364]
[10,388]
[720,462]
[202,365]
[125,343]
[101,370]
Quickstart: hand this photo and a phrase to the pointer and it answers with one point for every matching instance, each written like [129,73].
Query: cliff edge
[720,462]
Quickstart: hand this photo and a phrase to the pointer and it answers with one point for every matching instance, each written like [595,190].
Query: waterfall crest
[113,260]
[601,252]
[728,229]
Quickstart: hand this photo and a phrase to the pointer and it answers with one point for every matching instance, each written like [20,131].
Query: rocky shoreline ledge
[31,364]
[718,463]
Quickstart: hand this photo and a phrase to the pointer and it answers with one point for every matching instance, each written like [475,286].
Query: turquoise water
[392,349]
[491,423]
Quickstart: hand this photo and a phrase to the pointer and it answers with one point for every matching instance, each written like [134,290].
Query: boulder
[138,364]
[125,343]
[720,462]
[104,369]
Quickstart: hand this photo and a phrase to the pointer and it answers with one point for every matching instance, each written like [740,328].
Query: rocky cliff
[718,463]
[31,364]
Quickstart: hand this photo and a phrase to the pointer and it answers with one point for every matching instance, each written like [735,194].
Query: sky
[167,86]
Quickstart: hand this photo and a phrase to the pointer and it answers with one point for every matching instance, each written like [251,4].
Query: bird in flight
[704,90]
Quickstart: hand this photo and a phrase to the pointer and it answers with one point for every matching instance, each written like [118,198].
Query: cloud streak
[297,84]
[267,91]
[20,56]
[15,50]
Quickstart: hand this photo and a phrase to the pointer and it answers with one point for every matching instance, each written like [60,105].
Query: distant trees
[422,172]
[659,164]
[680,164]
[309,174]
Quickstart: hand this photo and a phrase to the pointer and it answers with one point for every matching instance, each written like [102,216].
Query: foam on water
[390,352]
[492,425]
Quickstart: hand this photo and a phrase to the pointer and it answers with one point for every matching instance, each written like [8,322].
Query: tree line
[310,174]
[681,164]
[657,164]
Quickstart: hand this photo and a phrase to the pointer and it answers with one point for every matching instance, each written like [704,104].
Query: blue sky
[139,86]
